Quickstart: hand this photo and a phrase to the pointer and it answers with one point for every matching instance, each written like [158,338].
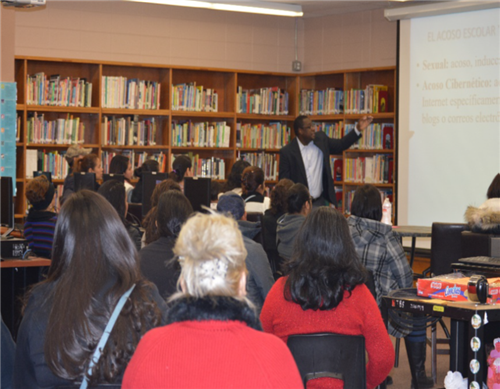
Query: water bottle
[387,212]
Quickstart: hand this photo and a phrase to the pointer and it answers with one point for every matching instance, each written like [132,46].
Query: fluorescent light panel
[258,7]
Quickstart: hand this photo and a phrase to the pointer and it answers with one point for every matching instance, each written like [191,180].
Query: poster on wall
[8,130]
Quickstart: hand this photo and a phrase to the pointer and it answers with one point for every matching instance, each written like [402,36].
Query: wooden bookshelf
[225,83]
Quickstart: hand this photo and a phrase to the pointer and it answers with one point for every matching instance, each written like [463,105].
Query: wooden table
[31,262]
[414,232]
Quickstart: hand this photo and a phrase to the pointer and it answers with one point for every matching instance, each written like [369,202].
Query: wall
[349,41]
[7,44]
[157,34]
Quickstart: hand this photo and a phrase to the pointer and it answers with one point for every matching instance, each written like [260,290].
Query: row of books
[265,101]
[137,159]
[274,135]
[269,163]
[333,130]
[350,196]
[372,99]
[377,169]
[51,161]
[129,131]
[376,136]
[321,102]
[58,91]
[215,168]
[119,92]
[189,97]
[60,131]
[200,134]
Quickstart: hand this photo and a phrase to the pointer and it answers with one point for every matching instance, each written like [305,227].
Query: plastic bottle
[387,212]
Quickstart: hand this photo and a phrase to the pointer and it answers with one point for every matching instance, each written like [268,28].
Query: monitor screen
[197,190]
[149,182]
[119,177]
[85,181]
[46,174]
[7,201]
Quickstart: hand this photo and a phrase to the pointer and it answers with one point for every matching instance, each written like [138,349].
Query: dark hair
[88,162]
[172,211]
[251,178]
[150,165]
[215,189]
[180,165]
[114,192]
[279,196]
[234,179]
[149,220]
[37,188]
[367,203]
[296,197]
[119,165]
[494,189]
[298,123]
[93,256]
[324,263]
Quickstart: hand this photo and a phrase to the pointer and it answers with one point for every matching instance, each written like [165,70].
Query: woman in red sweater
[324,291]
[213,337]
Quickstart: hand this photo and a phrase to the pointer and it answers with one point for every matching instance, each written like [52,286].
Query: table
[468,319]
[414,232]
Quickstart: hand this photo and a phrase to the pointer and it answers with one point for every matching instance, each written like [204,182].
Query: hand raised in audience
[363,123]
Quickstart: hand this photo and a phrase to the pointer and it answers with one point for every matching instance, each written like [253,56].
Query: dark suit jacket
[292,167]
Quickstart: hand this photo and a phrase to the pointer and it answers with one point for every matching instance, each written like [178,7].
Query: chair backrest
[446,246]
[134,213]
[330,355]
[475,244]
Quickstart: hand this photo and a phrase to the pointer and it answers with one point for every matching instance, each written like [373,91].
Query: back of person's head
[296,197]
[163,187]
[40,192]
[232,204]
[324,263]
[367,203]
[298,123]
[215,189]
[494,189]
[172,211]
[251,178]
[89,161]
[93,255]
[279,196]
[180,165]
[150,165]
[114,192]
[234,179]
[119,164]
[212,255]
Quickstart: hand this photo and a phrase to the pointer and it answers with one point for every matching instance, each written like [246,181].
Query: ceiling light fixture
[257,7]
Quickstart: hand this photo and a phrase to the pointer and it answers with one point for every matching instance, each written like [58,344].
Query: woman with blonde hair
[213,336]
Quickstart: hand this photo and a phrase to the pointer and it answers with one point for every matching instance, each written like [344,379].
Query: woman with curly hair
[94,263]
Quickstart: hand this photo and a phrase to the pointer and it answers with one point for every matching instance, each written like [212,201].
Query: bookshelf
[212,115]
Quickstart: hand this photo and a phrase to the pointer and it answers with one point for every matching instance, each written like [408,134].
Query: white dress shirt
[313,163]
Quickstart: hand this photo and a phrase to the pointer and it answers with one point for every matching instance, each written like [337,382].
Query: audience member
[324,291]
[120,164]
[299,205]
[41,221]
[233,182]
[486,218]
[93,264]
[74,154]
[182,167]
[213,337]
[253,190]
[215,190]
[90,163]
[260,277]
[149,222]
[148,166]
[156,258]
[114,192]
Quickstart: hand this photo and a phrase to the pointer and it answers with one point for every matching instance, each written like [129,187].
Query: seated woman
[233,183]
[182,167]
[253,190]
[90,163]
[299,205]
[486,218]
[41,221]
[172,211]
[93,263]
[148,166]
[323,291]
[120,164]
[213,336]
[114,192]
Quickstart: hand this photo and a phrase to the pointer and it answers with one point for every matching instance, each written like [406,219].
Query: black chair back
[446,246]
[475,244]
[134,214]
[330,355]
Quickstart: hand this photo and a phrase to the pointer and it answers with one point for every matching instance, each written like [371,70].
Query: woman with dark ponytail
[182,167]
[148,166]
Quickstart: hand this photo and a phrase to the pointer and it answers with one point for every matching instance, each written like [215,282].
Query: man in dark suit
[305,159]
